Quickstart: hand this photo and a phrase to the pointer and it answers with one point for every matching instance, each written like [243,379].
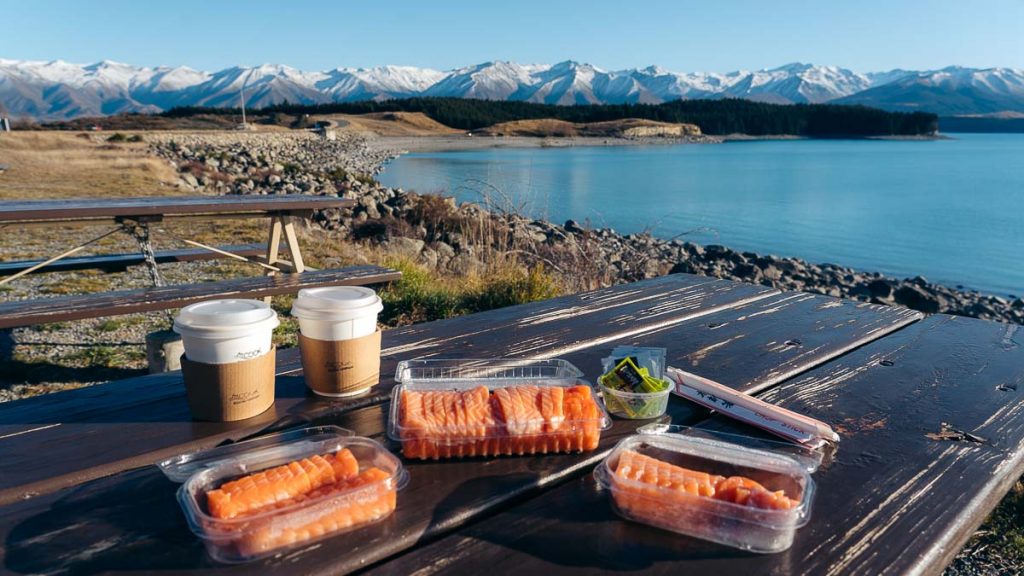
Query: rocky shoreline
[460,239]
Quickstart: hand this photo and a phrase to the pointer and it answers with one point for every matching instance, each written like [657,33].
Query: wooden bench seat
[19,313]
[121,262]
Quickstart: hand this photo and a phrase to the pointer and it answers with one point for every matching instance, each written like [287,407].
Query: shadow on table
[166,406]
[581,532]
[128,522]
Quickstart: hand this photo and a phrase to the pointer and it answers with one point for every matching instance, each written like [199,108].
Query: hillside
[625,128]
[390,124]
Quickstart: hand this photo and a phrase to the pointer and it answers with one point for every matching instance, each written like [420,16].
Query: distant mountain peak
[57,89]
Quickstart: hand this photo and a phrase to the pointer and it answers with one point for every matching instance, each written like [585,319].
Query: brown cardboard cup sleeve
[341,367]
[227,392]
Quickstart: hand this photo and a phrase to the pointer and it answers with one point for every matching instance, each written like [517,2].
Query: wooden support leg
[273,246]
[293,245]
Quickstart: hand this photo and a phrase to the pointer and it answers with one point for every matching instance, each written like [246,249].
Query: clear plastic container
[744,526]
[472,421]
[293,522]
[635,405]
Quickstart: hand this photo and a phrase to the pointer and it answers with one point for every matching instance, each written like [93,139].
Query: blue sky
[710,35]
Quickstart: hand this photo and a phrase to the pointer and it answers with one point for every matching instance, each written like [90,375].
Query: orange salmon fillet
[642,486]
[511,420]
[269,487]
[376,501]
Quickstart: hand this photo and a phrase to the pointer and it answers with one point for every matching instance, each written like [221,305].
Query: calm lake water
[950,210]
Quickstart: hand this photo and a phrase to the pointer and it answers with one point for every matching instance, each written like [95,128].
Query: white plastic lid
[228,315]
[336,303]
[336,298]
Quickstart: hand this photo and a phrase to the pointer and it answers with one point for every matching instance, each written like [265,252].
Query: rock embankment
[268,163]
[461,239]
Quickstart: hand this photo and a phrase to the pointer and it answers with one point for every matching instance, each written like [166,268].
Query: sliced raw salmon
[635,466]
[744,491]
[645,487]
[526,419]
[271,486]
[374,501]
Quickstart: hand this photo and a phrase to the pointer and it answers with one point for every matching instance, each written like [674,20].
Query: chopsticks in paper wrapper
[769,417]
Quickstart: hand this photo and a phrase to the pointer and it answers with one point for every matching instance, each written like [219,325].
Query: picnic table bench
[135,215]
[78,492]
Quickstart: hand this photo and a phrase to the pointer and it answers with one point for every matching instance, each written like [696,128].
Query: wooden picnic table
[134,216]
[79,493]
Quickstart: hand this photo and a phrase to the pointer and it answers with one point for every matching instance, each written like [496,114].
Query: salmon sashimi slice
[277,484]
[552,400]
[371,498]
[519,411]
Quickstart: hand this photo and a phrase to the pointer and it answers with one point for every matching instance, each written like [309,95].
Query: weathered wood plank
[89,209]
[120,262]
[18,313]
[103,429]
[444,496]
[894,500]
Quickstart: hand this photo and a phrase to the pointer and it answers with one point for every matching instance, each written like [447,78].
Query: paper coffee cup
[226,331]
[231,391]
[339,341]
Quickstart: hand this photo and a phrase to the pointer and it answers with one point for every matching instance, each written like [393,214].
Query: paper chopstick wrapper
[746,408]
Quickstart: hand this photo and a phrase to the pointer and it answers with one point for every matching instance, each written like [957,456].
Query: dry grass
[66,165]
[74,165]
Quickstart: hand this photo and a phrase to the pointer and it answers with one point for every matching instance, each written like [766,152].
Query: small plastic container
[493,436]
[337,312]
[746,527]
[634,405]
[226,331]
[280,527]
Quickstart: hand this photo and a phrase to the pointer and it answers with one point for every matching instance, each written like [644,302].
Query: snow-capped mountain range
[60,90]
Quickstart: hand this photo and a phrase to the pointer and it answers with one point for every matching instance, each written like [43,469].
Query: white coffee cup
[225,331]
[337,312]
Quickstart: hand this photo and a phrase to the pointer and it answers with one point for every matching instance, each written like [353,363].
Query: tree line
[715,117]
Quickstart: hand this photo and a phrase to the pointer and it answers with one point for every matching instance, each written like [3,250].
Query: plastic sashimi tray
[686,502]
[247,523]
[493,407]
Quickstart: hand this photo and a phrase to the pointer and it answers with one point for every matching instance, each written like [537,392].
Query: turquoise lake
[949,210]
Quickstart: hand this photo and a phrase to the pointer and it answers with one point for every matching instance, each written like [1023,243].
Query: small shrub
[422,296]
[418,297]
[117,137]
[513,286]
[291,168]
[135,138]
